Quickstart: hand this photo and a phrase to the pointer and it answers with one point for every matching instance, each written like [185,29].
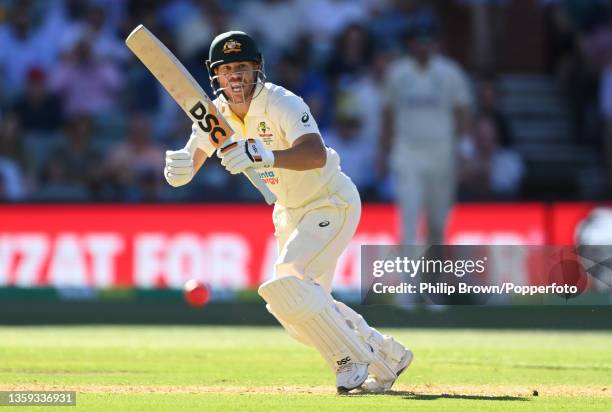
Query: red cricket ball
[196,293]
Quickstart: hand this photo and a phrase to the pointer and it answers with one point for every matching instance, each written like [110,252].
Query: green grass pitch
[138,368]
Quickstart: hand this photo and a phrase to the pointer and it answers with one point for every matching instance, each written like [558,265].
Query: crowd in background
[82,120]
[580,37]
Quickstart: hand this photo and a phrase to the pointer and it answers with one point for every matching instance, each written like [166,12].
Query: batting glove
[241,155]
[179,167]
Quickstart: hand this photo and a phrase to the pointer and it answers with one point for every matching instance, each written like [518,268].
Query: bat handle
[260,185]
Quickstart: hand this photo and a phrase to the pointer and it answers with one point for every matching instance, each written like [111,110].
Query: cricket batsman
[316,213]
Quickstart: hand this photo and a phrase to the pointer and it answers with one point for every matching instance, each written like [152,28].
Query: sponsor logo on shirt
[269,177]
[305,119]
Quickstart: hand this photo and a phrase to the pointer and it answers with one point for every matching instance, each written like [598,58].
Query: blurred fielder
[315,216]
[428,103]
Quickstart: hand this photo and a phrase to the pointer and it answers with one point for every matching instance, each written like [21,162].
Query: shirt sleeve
[293,117]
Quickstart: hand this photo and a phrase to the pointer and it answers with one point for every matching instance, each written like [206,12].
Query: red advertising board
[229,246]
[146,246]
[124,246]
[565,218]
[497,224]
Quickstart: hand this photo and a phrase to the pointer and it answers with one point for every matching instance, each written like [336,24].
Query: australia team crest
[264,132]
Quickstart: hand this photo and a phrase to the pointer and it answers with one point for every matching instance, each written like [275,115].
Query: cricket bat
[187,93]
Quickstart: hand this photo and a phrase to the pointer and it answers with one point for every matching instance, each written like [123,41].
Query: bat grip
[260,185]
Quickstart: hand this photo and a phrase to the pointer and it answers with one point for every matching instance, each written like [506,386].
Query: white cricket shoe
[397,357]
[351,376]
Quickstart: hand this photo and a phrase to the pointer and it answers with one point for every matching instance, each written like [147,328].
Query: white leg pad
[290,329]
[381,365]
[312,313]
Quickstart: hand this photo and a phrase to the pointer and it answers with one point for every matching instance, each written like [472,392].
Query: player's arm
[307,152]
[462,102]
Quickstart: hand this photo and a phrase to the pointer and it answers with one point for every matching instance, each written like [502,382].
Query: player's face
[423,48]
[238,80]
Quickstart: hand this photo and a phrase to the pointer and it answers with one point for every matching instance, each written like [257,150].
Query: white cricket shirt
[422,100]
[278,118]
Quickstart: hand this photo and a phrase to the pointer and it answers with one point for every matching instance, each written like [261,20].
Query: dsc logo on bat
[207,122]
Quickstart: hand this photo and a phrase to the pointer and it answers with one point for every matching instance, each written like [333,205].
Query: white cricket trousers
[310,239]
[424,183]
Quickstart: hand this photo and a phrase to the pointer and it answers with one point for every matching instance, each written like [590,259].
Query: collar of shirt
[257,106]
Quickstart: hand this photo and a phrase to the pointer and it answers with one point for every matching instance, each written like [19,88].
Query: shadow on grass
[430,397]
